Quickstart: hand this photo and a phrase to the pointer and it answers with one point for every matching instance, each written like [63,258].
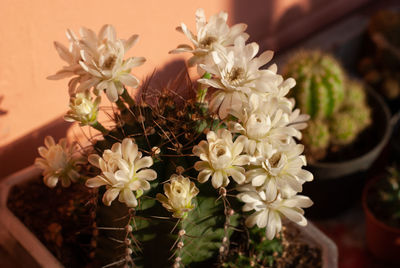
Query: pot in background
[382,240]
[337,185]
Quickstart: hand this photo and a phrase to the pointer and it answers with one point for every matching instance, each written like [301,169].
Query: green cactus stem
[320,84]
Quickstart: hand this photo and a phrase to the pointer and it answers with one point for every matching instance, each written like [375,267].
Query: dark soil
[388,211]
[62,219]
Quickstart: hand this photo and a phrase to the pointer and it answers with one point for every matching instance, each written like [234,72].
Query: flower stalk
[202,90]
[127,98]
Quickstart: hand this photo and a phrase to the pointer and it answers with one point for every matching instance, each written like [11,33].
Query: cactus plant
[320,83]
[340,111]
[380,66]
[151,165]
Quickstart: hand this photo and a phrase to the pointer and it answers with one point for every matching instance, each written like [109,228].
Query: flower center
[109,62]
[274,160]
[235,76]
[207,42]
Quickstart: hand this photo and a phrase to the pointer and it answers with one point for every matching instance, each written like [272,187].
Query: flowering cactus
[152,167]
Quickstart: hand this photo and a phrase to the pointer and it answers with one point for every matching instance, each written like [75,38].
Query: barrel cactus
[320,83]
[337,105]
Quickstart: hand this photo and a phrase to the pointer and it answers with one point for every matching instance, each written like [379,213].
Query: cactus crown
[320,82]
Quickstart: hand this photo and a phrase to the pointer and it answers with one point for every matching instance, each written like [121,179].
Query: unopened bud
[179,170]
[180,244]
[182,232]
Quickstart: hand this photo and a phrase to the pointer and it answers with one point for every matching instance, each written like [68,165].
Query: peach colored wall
[27,56]
[29,27]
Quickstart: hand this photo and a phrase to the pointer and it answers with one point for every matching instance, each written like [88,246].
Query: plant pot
[337,185]
[39,256]
[382,240]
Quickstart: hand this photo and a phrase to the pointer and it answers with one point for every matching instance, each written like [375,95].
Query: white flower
[98,61]
[72,57]
[59,162]
[281,172]
[123,171]
[214,35]
[236,75]
[221,158]
[264,124]
[83,108]
[178,196]
[102,57]
[268,214]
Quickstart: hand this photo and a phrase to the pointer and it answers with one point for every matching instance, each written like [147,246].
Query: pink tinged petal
[204,175]
[129,80]
[241,160]
[298,201]
[144,162]
[60,75]
[147,174]
[264,58]
[108,32]
[94,160]
[50,181]
[90,70]
[49,141]
[273,225]
[200,165]
[126,147]
[249,197]
[42,151]
[128,198]
[258,180]
[238,145]
[123,166]
[110,196]
[111,92]
[188,33]
[293,215]
[252,219]
[65,182]
[41,163]
[217,179]
[216,101]
[96,182]
[271,190]
[131,42]
[63,52]
[121,176]
[134,62]
[237,175]
[87,84]
[262,218]
[225,106]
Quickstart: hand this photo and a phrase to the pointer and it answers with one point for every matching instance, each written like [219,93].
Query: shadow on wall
[22,152]
[279,24]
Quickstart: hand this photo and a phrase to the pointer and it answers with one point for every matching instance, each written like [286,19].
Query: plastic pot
[337,185]
[382,240]
[36,254]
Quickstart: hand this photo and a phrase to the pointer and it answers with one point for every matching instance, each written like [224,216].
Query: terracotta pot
[37,255]
[382,240]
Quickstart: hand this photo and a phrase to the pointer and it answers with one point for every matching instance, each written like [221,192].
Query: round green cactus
[343,129]
[320,80]
[317,137]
